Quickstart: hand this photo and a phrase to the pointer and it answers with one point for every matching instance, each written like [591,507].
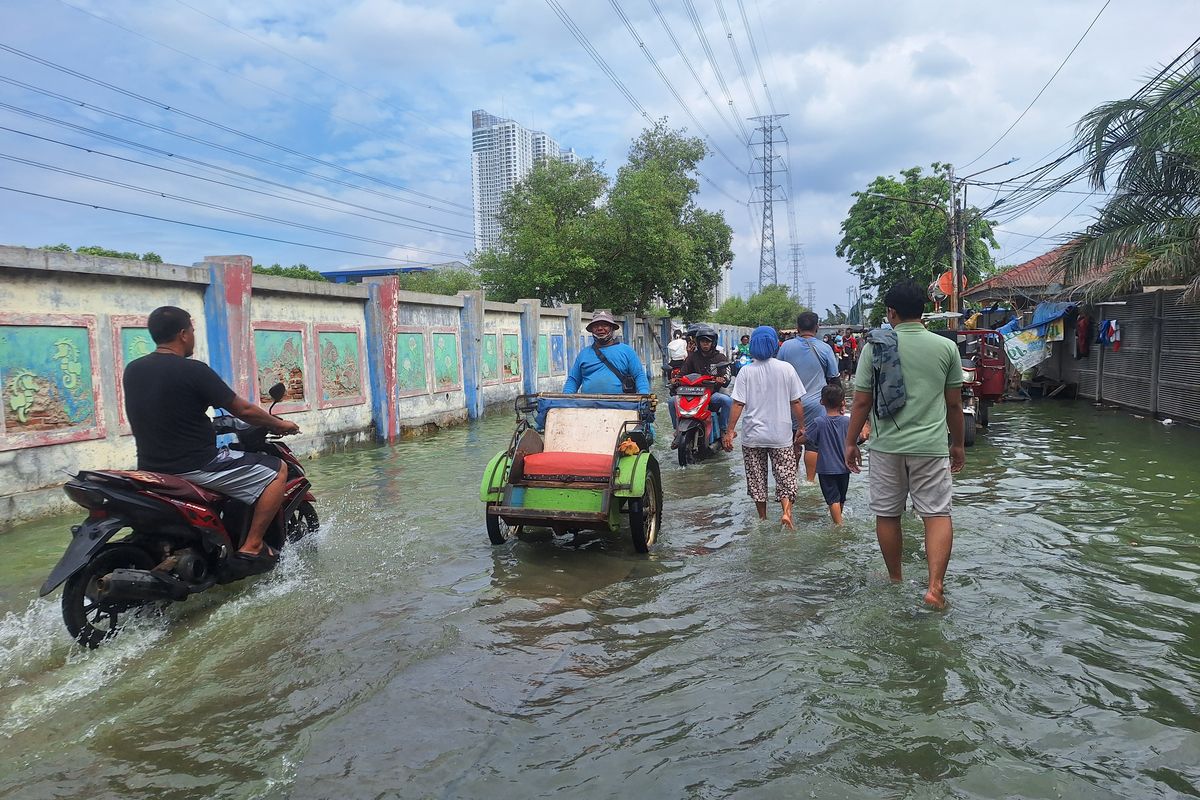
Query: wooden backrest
[585,430]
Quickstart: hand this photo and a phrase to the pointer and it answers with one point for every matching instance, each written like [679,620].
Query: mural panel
[279,358]
[490,359]
[558,353]
[446,362]
[340,363]
[543,355]
[135,343]
[46,375]
[411,375]
[512,357]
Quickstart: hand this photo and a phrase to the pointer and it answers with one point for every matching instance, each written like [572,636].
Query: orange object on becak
[945,282]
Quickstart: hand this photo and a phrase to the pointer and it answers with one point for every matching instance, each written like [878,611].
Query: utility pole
[955,271]
[769,133]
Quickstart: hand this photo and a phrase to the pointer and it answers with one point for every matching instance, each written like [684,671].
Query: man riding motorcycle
[167,395]
[701,362]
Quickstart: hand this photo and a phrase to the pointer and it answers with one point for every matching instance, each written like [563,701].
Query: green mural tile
[445,361]
[411,375]
[341,373]
[279,356]
[512,356]
[490,359]
[46,375]
[543,355]
[135,343]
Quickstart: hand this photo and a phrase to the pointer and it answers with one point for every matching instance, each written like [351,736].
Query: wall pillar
[1156,342]
[227,320]
[531,314]
[574,329]
[382,319]
[471,326]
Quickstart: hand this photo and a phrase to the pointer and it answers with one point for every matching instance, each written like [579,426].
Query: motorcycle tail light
[85,496]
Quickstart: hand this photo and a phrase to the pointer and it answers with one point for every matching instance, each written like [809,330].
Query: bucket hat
[602,316]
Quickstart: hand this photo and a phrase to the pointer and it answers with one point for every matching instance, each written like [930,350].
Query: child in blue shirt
[828,434]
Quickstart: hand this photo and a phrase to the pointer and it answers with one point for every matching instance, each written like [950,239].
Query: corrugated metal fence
[1157,369]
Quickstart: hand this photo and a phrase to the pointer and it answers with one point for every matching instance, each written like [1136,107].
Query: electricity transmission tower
[799,270]
[768,134]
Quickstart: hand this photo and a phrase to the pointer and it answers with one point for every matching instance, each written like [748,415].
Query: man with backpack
[909,381]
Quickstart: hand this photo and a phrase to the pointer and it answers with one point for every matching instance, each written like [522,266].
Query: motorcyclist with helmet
[701,362]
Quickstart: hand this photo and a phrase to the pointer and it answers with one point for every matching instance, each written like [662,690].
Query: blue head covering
[764,343]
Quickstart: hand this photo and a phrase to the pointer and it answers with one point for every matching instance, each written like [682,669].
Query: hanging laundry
[1083,342]
[1114,334]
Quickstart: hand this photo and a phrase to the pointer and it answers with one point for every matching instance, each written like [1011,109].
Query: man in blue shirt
[816,365]
[590,375]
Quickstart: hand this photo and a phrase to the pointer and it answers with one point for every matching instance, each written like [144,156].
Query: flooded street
[400,655]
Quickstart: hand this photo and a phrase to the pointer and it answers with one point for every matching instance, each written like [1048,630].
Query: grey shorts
[242,476]
[895,478]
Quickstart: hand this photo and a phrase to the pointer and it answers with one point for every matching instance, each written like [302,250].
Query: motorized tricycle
[576,462]
[981,353]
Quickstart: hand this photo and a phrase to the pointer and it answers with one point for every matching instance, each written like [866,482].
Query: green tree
[772,306]
[96,250]
[300,271]
[440,281]
[890,238]
[569,237]
[1146,149]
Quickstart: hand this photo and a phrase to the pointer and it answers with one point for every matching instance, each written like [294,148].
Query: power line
[754,51]
[586,44]
[224,128]
[695,75]
[239,76]
[204,227]
[114,156]
[716,67]
[682,104]
[1044,87]
[214,145]
[421,224]
[327,74]
[215,206]
[737,56]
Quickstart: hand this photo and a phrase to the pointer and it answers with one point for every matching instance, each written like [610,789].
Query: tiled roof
[1036,273]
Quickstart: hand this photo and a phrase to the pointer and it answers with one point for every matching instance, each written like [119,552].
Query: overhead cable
[204,227]
[224,128]
[737,57]
[698,26]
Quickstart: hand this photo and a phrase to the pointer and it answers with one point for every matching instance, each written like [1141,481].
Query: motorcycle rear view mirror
[277,392]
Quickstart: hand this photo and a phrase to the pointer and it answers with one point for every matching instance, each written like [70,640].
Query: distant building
[724,288]
[503,152]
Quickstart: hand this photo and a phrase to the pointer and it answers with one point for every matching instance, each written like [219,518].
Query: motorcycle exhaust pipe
[141,585]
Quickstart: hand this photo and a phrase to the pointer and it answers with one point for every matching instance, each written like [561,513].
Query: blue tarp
[1046,313]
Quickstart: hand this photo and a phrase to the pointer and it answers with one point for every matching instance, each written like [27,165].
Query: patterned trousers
[783,464]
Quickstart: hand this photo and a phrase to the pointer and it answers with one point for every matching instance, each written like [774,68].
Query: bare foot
[935,598]
[787,521]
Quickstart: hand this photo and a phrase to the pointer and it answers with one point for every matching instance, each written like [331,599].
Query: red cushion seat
[578,465]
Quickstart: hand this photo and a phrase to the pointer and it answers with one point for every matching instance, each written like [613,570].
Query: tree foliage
[440,281]
[300,271]
[568,235]
[1146,149]
[772,306]
[887,240]
[104,252]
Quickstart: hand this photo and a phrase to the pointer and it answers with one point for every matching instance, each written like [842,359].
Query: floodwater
[400,655]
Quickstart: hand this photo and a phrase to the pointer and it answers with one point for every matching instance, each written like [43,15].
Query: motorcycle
[182,537]
[697,434]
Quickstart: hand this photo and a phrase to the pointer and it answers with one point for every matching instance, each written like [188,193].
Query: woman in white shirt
[766,399]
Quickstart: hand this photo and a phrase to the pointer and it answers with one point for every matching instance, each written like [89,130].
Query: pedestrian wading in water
[909,381]
[766,401]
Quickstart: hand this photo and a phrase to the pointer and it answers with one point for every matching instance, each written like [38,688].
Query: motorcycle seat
[568,466]
[162,483]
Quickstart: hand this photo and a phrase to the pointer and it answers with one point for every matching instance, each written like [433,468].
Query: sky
[346,125]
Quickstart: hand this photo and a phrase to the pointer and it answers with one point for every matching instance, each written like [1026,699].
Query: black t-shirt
[699,363]
[166,397]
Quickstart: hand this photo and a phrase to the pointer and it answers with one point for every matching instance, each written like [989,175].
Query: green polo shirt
[930,365]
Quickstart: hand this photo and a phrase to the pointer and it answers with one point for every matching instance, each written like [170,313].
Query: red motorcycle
[697,434]
[182,537]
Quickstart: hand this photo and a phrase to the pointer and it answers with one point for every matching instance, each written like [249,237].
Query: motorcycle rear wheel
[89,622]
[302,522]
